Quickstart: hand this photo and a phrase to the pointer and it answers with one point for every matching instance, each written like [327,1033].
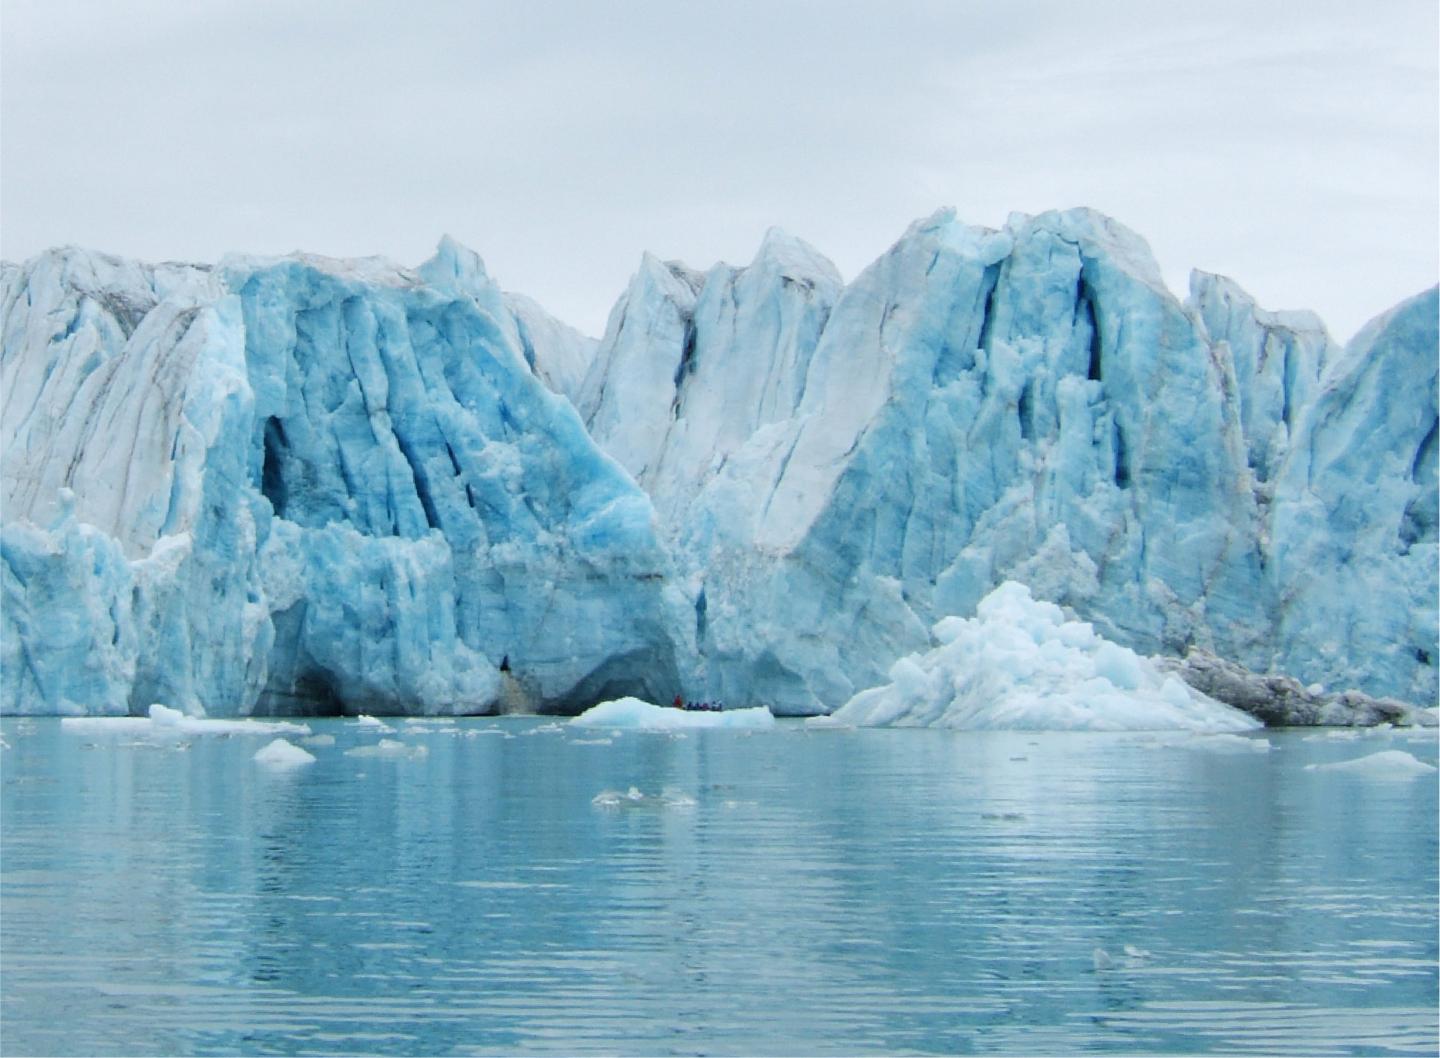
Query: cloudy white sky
[1292,146]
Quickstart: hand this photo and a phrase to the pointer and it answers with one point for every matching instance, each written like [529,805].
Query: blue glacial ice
[1027,404]
[301,485]
[306,486]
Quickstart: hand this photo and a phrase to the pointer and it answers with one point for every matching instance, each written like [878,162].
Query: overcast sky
[1292,146]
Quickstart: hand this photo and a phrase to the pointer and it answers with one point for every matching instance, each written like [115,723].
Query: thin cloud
[1291,148]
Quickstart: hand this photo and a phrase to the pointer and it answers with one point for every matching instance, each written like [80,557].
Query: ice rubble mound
[635,715]
[1019,664]
[307,486]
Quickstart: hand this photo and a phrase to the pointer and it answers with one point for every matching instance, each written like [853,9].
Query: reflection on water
[789,892]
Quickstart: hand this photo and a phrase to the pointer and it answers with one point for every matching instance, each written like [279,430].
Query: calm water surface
[794,892]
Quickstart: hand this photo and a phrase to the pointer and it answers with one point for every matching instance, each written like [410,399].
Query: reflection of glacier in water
[828,891]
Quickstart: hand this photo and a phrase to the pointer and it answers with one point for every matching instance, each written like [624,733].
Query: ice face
[305,485]
[559,355]
[1352,530]
[1026,404]
[1277,357]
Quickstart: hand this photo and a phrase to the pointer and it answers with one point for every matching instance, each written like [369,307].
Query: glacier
[301,486]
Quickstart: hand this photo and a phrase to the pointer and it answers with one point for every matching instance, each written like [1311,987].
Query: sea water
[796,891]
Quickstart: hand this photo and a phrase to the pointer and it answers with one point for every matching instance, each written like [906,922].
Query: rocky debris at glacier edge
[1282,701]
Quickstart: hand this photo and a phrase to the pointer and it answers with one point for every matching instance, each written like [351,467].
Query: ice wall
[1031,404]
[307,486]
[303,485]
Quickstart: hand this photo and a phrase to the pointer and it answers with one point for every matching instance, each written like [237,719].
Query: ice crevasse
[299,485]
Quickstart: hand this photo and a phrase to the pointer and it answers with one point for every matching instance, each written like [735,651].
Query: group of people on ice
[698,707]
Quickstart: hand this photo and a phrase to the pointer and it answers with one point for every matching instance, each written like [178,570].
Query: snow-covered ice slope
[303,485]
[308,485]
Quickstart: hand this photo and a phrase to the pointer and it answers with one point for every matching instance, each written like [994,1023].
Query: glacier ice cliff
[1028,404]
[306,486]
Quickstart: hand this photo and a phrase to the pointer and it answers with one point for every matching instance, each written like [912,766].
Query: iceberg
[632,714]
[1020,665]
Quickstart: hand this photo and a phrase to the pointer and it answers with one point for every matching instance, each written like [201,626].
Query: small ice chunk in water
[283,754]
[373,723]
[1387,764]
[1227,743]
[164,716]
[389,749]
[1136,953]
[1101,958]
[634,798]
[319,740]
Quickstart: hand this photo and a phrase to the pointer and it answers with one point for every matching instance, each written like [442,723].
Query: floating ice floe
[1387,764]
[633,714]
[634,798]
[1019,664]
[319,740]
[389,749]
[1216,743]
[164,722]
[283,754]
[374,724]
